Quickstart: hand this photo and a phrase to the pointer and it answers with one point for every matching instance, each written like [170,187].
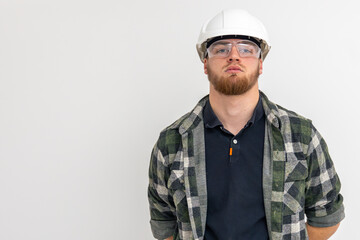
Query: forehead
[233,41]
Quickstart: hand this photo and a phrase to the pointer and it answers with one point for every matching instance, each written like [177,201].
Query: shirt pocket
[296,172]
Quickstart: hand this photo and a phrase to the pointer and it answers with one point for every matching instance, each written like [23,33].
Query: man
[239,166]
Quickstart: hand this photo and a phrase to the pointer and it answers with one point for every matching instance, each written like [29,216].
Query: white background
[86,87]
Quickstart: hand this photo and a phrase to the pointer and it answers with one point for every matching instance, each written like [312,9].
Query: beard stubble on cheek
[233,84]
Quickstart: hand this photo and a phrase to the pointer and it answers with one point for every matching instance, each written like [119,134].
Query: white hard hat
[233,22]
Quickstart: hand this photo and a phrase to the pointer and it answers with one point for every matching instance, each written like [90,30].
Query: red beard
[233,84]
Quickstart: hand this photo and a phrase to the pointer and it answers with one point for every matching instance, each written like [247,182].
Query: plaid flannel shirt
[298,177]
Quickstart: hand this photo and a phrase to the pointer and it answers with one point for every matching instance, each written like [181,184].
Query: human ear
[260,66]
[205,66]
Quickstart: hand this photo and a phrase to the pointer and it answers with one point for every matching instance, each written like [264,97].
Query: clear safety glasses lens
[222,49]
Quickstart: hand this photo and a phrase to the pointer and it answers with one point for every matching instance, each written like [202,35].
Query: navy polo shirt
[235,207]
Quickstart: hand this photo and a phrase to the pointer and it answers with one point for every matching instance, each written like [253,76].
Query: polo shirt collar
[212,121]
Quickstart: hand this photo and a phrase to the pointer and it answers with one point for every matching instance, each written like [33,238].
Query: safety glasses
[222,49]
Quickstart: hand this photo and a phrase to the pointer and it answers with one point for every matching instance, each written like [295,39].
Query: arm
[323,202]
[317,233]
[162,211]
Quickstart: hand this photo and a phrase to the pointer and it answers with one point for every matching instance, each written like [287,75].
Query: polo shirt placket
[234,178]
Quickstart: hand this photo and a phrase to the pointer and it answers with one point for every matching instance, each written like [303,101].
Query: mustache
[241,66]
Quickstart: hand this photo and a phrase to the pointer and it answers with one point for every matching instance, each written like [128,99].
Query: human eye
[220,50]
[246,51]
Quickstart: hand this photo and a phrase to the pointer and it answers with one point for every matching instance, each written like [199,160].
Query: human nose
[234,54]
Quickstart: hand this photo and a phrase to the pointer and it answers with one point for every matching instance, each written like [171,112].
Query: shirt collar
[191,120]
[212,121]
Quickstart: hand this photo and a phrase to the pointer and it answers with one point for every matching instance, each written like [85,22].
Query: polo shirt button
[235,141]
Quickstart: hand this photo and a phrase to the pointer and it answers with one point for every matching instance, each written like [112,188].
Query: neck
[234,111]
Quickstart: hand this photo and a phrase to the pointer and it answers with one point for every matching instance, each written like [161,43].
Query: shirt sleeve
[323,201]
[162,210]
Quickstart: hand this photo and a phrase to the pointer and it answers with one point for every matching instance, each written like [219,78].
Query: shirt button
[235,141]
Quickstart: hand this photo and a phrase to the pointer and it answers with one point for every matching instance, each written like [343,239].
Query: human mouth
[233,69]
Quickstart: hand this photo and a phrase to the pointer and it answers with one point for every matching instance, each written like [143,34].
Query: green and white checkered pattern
[302,177]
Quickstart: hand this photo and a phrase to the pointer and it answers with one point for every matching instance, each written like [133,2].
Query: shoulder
[289,122]
[170,137]
[300,127]
[293,118]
